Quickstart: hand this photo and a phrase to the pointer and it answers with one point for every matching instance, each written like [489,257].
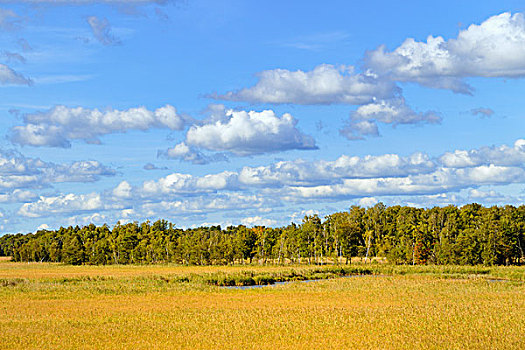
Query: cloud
[112,208]
[243,134]
[356,130]
[300,172]
[432,200]
[60,125]
[417,179]
[207,204]
[301,214]
[442,180]
[9,77]
[495,48]
[64,204]
[180,184]
[102,31]
[18,171]
[279,175]
[18,196]
[14,163]
[394,111]
[368,201]
[123,190]
[483,112]
[84,220]
[368,176]
[348,177]
[257,221]
[325,84]
[81,171]
[70,204]
[490,195]
[185,153]
[386,175]
[485,196]
[498,155]
[173,187]
[247,133]
[151,166]
[363,121]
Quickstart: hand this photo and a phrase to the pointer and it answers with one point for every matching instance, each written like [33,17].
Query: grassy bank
[13,274]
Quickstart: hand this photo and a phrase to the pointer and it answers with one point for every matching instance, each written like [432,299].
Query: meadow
[49,305]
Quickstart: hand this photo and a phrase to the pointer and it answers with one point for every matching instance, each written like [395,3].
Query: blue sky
[230,112]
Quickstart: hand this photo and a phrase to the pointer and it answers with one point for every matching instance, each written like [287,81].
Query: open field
[59,306]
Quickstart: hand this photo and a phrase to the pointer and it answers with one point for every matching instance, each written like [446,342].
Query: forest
[468,235]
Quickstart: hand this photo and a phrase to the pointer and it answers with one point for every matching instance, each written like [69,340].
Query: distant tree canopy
[469,235]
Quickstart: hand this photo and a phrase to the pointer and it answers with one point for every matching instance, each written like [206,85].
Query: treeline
[469,235]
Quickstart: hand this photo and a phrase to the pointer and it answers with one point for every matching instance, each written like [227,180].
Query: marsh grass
[143,307]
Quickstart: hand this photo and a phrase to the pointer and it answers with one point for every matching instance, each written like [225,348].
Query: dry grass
[49,270]
[121,307]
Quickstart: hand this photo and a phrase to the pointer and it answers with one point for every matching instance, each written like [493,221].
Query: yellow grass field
[153,307]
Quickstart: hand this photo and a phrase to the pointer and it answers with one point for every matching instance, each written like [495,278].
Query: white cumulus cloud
[60,125]
[301,172]
[18,196]
[251,132]
[417,178]
[358,129]
[498,155]
[208,204]
[68,203]
[179,184]
[190,154]
[258,221]
[241,133]
[363,121]
[18,171]
[325,84]
[494,48]
[394,111]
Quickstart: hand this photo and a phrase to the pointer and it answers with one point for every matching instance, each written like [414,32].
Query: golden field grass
[144,307]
